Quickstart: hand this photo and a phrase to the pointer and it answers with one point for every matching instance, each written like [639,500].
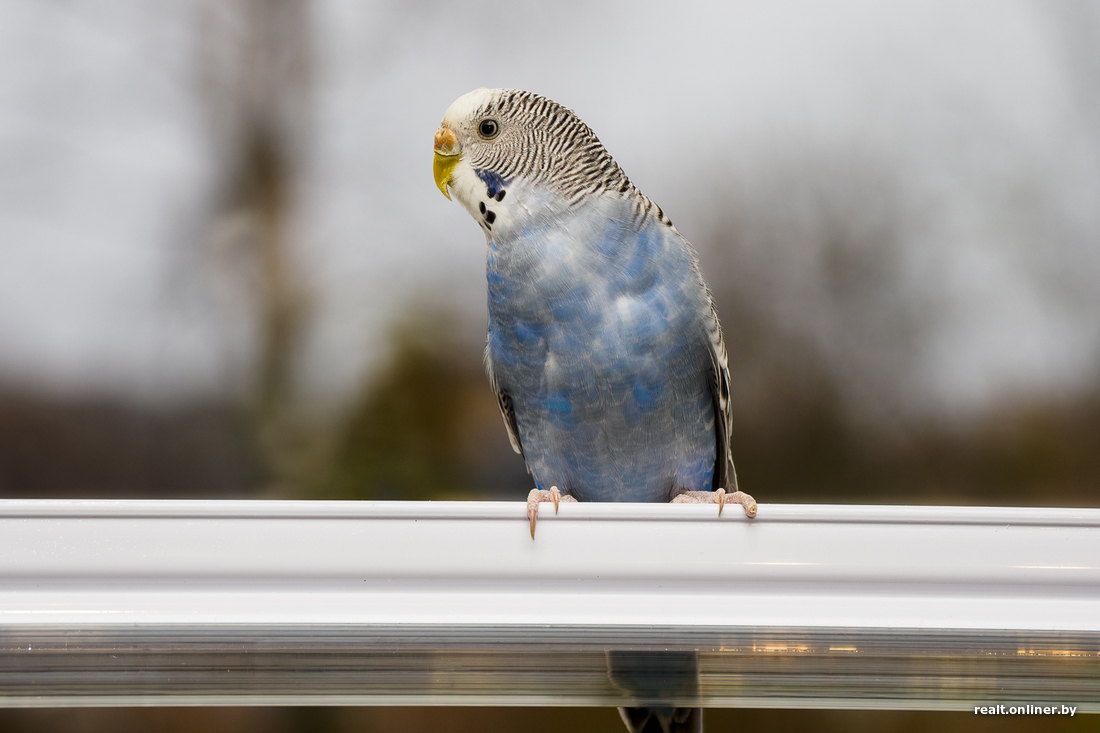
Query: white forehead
[463,108]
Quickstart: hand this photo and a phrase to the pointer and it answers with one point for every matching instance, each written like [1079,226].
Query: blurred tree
[96,447]
[827,323]
[427,426]
[255,57]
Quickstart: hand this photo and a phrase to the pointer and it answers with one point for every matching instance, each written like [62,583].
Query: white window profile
[279,602]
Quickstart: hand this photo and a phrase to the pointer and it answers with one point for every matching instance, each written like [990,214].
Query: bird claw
[741,498]
[719,497]
[538,496]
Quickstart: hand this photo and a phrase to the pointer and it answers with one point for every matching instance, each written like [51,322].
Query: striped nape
[545,143]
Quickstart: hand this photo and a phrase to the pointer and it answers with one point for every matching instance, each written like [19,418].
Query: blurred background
[225,270]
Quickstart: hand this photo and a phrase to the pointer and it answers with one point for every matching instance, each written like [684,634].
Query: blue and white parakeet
[604,346]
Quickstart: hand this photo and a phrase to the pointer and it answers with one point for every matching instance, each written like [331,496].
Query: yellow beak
[447,154]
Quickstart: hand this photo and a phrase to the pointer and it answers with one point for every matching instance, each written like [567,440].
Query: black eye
[488,128]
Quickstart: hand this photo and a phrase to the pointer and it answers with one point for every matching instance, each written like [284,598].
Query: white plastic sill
[277,602]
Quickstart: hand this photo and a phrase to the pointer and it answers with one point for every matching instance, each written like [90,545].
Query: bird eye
[488,128]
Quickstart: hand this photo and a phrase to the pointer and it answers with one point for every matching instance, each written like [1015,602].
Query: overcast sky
[980,118]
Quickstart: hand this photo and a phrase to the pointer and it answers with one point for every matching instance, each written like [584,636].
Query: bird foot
[719,497]
[538,496]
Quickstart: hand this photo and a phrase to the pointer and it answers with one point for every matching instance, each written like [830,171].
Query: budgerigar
[604,347]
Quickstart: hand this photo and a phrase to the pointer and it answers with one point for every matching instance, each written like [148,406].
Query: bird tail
[657,681]
[663,720]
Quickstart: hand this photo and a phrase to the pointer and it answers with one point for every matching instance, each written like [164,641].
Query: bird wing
[504,402]
[725,475]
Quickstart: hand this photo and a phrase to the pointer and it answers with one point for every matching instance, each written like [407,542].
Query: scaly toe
[746,501]
[537,496]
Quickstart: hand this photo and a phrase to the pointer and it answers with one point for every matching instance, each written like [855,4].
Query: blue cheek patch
[493,183]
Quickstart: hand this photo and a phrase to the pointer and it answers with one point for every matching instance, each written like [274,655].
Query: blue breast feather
[597,331]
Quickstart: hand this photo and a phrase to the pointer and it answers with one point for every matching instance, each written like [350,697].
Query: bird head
[499,140]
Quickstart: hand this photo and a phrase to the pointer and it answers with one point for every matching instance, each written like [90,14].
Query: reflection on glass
[721,667]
